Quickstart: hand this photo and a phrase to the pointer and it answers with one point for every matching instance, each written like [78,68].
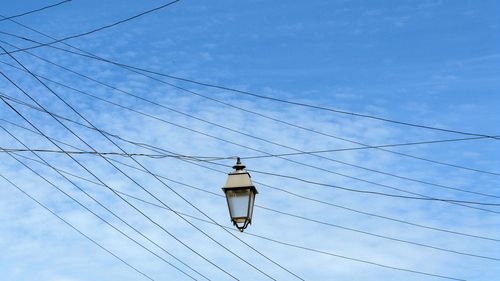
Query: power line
[130,68]
[422,197]
[100,204]
[308,248]
[97,29]
[371,192]
[135,182]
[303,164]
[34,11]
[255,171]
[229,89]
[284,213]
[217,158]
[305,248]
[216,223]
[157,149]
[76,229]
[86,169]
[154,156]
[232,130]
[130,204]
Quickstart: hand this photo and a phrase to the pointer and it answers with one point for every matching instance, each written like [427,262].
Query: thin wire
[151,220]
[225,88]
[426,198]
[154,156]
[100,204]
[300,163]
[305,248]
[152,195]
[422,197]
[233,130]
[283,213]
[130,68]
[297,246]
[157,149]
[325,252]
[76,229]
[34,11]
[187,201]
[255,171]
[97,29]
[130,204]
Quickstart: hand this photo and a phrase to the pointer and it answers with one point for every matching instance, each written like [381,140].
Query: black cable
[86,169]
[130,68]
[76,229]
[258,95]
[296,162]
[130,204]
[327,253]
[301,247]
[135,182]
[422,197]
[217,158]
[102,205]
[34,11]
[154,156]
[97,29]
[160,150]
[286,214]
[309,248]
[187,201]
[230,129]
[255,171]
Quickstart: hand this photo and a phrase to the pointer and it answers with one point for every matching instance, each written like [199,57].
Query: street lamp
[240,196]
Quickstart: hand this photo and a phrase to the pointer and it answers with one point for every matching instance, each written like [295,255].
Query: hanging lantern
[240,196]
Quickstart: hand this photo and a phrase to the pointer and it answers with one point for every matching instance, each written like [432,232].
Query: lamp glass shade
[240,202]
[240,196]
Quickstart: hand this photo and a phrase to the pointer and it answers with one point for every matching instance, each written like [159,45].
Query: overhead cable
[34,11]
[295,216]
[90,172]
[260,172]
[130,68]
[229,89]
[159,150]
[100,204]
[421,196]
[142,187]
[232,130]
[290,160]
[97,29]
[76,229]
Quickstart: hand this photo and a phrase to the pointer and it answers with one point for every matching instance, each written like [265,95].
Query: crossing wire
[307,165]
[135,182]
[311,249]
[99,28]
[422,197]
[160,150]
[123,199]
[90,55]
[278,212]
[230,129]
[229,89]
[102,205]
[34,11]
[259,114]
[76,229]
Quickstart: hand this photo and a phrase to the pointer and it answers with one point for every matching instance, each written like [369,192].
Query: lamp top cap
[239,166]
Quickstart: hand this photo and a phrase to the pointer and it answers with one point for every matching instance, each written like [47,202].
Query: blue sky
[428,62]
